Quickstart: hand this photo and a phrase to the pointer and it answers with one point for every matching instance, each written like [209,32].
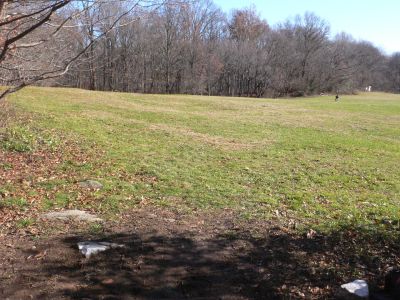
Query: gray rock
[91,184]
[73,214]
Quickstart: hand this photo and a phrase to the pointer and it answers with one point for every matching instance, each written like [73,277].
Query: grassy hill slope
[308,161]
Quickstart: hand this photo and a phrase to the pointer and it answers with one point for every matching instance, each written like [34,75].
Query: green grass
[323,163]
[24,139]
[24,223]
[61,200]
[15,202]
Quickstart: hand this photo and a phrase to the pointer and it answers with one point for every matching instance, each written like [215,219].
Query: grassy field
[309,161]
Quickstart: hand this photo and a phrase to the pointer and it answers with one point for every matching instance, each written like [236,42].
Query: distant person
[337,97]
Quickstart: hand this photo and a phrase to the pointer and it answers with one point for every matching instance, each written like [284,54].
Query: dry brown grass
[212,140]
[217,141]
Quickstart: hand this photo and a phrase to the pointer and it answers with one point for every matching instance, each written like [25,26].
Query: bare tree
[18,21]
[394,72]
[28,29]
[185,46]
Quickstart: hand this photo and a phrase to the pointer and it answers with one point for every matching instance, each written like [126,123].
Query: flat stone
[73,214]
[91,184]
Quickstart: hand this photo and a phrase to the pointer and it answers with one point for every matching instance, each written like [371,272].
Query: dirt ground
[169,255]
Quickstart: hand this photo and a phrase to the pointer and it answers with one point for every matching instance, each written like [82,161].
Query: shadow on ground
[234,264]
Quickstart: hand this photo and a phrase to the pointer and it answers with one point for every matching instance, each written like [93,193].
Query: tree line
[193,47]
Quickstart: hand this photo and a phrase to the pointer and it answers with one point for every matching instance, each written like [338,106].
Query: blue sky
[371,20]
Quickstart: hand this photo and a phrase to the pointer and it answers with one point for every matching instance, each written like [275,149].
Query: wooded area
[183,47]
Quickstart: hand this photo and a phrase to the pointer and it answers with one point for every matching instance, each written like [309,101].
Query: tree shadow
[230,265]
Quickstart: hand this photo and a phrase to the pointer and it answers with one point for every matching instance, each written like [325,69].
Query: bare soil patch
[168,255]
